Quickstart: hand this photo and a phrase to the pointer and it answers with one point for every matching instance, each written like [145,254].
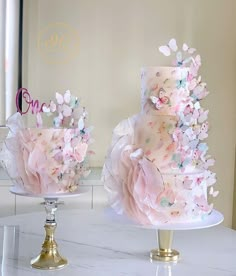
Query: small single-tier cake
[47,160]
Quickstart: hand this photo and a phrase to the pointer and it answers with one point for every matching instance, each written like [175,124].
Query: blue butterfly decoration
[181,83]
[181,163]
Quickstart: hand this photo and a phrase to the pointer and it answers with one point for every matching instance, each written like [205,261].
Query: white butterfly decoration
[63,103]
[213,193]
[81,124]
[50,109]
[171,46]
[196,64]
[210,177]
[188,49]
[63,98]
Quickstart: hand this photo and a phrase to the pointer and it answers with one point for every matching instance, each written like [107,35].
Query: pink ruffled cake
[48,160]
[156,170]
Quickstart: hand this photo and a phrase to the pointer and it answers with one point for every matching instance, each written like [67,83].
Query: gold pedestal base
[49,257]
[164,253]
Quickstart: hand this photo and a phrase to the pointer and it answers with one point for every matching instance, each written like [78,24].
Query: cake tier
[154,134]
[46,161]
[182,198]
[162,88]
[140,191]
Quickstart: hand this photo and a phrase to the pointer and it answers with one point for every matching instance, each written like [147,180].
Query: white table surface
[95,246]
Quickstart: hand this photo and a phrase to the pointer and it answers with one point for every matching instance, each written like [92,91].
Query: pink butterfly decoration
[201,115]
[193,82]
[201,202]
[199,92]
[195,65]
[203,131]
[186,48]
[160,100]
[187,183]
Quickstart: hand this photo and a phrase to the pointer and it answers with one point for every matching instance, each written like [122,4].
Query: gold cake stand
[49,257]
[164,253]
[165,232]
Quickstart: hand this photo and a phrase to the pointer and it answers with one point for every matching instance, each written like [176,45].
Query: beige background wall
[115,38]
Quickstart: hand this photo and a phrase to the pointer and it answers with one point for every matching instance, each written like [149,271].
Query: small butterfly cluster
[192,126]
[68,112]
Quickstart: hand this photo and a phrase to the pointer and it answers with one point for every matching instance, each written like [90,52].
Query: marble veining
[96,246]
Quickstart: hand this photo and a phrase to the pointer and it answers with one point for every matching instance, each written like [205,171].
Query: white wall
[116,38]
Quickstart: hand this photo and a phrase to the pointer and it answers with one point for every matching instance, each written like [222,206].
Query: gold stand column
[49,258]
[164,253]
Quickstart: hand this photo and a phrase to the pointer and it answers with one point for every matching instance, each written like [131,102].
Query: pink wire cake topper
[34,105]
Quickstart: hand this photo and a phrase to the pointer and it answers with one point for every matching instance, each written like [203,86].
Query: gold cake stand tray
[165,232]
[49,257]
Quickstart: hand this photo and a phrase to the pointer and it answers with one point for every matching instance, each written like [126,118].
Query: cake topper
[65,108]
[32,104]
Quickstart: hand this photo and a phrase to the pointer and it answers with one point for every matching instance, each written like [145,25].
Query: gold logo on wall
[58,43]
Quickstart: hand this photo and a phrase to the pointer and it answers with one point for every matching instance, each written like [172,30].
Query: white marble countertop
[95,246]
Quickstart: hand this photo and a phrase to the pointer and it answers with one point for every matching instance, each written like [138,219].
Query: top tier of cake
[163,88]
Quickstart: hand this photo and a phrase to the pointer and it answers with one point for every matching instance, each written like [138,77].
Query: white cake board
[212,219]
[78,192]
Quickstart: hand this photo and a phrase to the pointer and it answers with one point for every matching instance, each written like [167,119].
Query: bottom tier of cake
[140,191]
